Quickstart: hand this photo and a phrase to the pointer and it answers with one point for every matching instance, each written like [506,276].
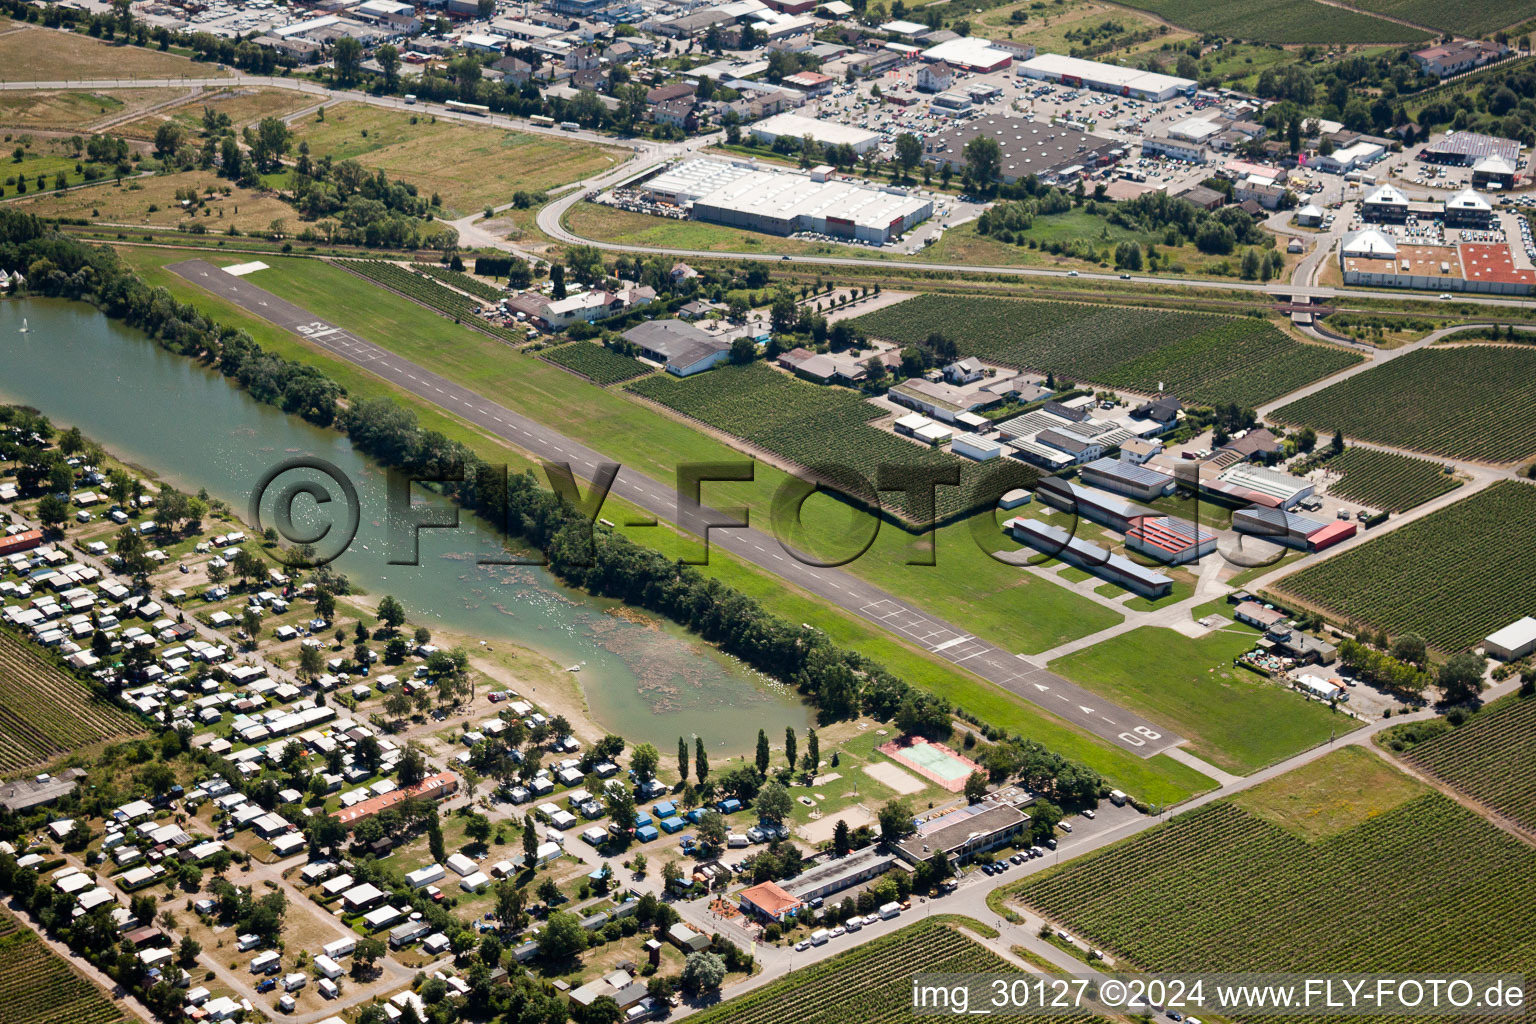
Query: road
[1015,673]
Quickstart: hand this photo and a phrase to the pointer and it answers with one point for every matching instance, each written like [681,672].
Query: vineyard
[1463,401]
[870,984]
[599,364]
[41,987]
[814,426]
[1424,886]
[463,282]
[1280,21]
[1453,577]
[44,713]
[1201,357]
[1386,480]
[422,289]
[1473,20]
[1489,758]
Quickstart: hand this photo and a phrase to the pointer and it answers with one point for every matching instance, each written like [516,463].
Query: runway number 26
[1138,736]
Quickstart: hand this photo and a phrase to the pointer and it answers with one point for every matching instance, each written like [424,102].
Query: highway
[1015,673]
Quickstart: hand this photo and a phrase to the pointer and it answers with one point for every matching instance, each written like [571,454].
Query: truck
[410,97]
[890,910]
[820,936]
[1117,798]
[569,126]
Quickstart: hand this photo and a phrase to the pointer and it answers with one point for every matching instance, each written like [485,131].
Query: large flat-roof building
[1128,478]
[782,202]
[1170,540]
[1111,78]
[965,832]
[1513,642]
[1464,149]
[682,348]
[1025,147]
[970,54]
[828,133]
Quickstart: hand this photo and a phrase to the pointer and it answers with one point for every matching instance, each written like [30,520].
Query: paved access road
[1022,677]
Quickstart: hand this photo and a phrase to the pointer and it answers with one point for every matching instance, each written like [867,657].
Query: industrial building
[828,133]
[1128,478]
[781,202]
[1493,172]
[982,449]
[1050,152]
[1173,149]
[970,54]
[1253,485]
[1290,529]
[1371,258]
[1092,504]
[1110,78]
[1350,158]
[1116,569]
[1464,149]
[1169,540]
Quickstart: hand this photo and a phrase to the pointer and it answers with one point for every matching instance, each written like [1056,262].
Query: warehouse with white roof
[1111,78]
[828,133]
[783,203]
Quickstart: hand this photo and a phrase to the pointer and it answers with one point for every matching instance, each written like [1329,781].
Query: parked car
[266,985]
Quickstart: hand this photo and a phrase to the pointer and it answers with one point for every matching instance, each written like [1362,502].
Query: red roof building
[769,900]
[437,787]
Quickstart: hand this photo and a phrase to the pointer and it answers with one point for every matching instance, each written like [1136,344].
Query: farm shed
[1513,642]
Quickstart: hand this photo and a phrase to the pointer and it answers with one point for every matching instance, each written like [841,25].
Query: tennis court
[933,761]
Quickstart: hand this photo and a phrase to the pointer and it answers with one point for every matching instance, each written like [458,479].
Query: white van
[735,840]
[820,936]
[890,910]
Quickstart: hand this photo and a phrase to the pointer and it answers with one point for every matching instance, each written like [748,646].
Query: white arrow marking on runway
[1084,710]
[1041,688]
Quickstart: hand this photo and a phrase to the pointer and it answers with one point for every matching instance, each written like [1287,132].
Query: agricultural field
[244,106]
[1477,18]
[1463,401]
[421,288]
[44,713]
[35,54]
[599,364]
[73,110]
[1331,864]
[1453,577]
[1200,357]
[1489,758]
[488,164]
[463,282]
[810,425]
[1387,480]
[869,984]
[42,988]
[1280,21]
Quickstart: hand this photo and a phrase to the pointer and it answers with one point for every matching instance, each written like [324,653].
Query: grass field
[74,110]
[995,600]
[1387,480]
[1335,864]
[48,55]
[870,984]
[42,988]
[1453,577]
[1489,758]
[245,105]
[811,425]
[487,165]
[1055,29]
[1197,356]
[130,204]
[1231,717]
[1475,18]
[1280,21]
[1466,401]
[45,714]
[601,365]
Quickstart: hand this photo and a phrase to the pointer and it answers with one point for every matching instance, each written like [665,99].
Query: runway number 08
[1138,736]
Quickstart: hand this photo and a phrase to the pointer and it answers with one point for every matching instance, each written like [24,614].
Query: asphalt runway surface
[1086,710]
